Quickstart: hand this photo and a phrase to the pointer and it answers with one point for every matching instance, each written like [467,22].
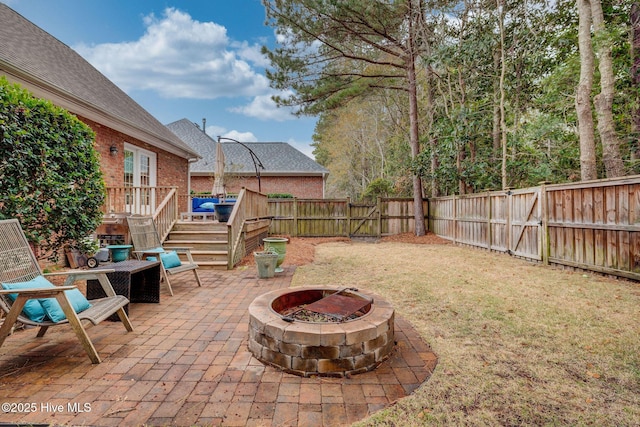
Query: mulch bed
[301,250]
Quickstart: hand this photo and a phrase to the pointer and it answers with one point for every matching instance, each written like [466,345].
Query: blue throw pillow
[32,309]
[210,206]
[170,259]
[53,310]
[151,251]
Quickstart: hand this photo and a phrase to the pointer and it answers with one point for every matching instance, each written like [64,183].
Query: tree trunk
[635,69]
[435,189]
[583,94]
[503,124]
[433,141]
[603,102]
[414,139]
[495,133]
[418,211]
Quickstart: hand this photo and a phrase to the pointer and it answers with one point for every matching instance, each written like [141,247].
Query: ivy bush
[50,178]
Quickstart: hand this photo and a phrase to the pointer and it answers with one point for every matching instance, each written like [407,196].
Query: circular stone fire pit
[329,348]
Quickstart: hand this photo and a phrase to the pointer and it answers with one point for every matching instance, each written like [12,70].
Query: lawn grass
[518,343]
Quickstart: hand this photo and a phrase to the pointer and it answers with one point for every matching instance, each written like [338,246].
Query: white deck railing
[159,202]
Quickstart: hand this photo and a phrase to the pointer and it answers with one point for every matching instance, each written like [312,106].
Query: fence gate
[364,220]
[525,222]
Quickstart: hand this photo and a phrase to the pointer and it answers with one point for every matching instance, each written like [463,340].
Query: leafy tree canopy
[50,176]
[333,51]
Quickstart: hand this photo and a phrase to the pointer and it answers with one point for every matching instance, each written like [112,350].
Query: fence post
[455,219]
[295,217]
[348,211]
[508,230]
[544,238]
[489,235]
[379,219]
[428,200]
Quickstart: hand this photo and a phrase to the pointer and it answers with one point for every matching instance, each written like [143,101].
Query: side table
[139,281]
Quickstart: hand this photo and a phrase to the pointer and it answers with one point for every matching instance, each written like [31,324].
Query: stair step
[212,265]
[205,246]
[199,230]
[199,226]
[176,236]
[207,240]
[195,253]
[187,242]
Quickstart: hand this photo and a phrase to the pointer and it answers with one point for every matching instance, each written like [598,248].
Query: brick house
[286,170]
[136,150]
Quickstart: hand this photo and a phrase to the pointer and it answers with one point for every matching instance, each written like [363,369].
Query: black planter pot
[223,211]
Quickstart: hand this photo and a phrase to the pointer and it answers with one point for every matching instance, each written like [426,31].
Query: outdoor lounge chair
[146,242]
[20,274]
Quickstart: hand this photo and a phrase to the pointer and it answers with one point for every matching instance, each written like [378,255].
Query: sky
[180,59]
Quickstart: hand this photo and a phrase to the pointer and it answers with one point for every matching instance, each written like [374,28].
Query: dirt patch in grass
[517,343]
[300,250]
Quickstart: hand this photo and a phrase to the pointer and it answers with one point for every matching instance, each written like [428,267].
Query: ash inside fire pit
[336,307]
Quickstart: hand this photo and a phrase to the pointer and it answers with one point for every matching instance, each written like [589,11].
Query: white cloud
[251,53]
[241,136]
[216,131]
[264,108]
[179,57]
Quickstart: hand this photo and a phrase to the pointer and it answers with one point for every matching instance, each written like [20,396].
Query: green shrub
[280,196]
[379,187]
[50,176]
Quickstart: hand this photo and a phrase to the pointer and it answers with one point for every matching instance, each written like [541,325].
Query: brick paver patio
[187,363]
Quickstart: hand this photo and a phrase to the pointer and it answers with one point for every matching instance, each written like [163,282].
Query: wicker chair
[146,242]
[18,264]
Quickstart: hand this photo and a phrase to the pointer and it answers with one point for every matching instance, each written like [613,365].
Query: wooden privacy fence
[340,217]
[592,225]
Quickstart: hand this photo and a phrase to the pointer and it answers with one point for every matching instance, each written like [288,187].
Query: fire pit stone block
[324,349]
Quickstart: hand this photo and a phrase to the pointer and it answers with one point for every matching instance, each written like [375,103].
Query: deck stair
[208,241]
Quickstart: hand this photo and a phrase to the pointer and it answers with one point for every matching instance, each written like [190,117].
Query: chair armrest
[79,272]
[149,251]
[99,275]
[24,295]
[38,292]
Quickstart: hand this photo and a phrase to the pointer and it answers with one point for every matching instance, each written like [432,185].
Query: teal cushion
[54,311]
[32,309]
[170,259]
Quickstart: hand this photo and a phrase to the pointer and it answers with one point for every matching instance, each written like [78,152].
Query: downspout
[190,162]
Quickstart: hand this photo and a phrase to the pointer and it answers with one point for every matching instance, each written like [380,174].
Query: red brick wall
[172,170]
[308,187]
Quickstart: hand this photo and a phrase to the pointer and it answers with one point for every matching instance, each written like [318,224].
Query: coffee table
[139,281]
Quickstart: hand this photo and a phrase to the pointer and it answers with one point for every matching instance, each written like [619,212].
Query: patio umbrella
[218,183]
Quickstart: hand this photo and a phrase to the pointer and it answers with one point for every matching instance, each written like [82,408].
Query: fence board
[340,217]
[591,225]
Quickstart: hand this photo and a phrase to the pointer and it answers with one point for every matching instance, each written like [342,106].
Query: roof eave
[79,107]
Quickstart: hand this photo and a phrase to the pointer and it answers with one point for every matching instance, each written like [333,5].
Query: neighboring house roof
[52,70]
[278,158]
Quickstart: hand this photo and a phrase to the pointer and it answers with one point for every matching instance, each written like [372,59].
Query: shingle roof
[52,70]
[278,158]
